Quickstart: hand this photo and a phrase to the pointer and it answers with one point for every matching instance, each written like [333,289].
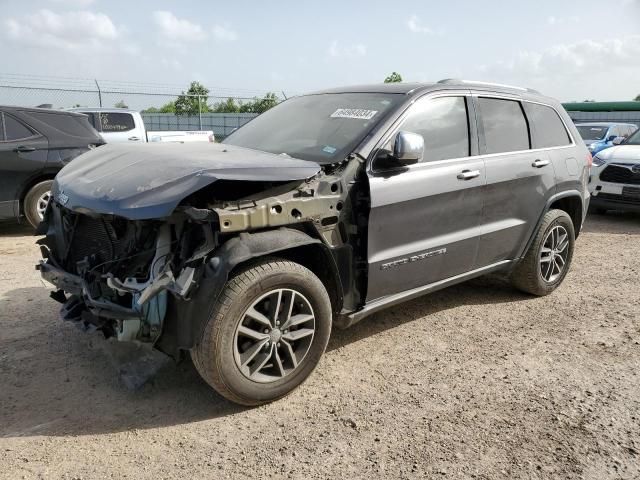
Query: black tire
[32,199]
[528,274]
[214,356]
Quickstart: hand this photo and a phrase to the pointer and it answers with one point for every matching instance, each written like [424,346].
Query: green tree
[121,104]
[194,101]
[228,106]
[637,99]
[395,77]
[169,107]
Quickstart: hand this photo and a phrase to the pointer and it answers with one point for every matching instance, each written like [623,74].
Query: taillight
[589,159]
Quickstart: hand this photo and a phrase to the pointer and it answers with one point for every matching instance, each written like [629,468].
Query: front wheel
[548,259]
[266,333]
[35,202]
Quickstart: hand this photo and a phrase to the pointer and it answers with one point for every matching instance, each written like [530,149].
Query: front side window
[15,130]
[505,127]
[592,132]
[633,139]
[444,125]
[547,128]
[116,122]
[323,128]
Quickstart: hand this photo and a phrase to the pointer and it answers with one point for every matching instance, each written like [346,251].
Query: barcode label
[357,113]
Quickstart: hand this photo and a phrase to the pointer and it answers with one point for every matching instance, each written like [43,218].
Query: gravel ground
[476,381]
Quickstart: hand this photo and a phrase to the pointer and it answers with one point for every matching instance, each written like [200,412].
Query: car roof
[17,109]
[410,88]
[101,109]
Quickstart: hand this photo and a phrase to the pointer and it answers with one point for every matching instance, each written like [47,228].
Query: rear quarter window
[547,127]
[72,125]
[116,122]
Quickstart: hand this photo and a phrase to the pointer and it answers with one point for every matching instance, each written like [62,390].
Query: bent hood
[621,154]
[148,181]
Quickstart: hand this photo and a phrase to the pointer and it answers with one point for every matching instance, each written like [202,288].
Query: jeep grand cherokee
[319,212]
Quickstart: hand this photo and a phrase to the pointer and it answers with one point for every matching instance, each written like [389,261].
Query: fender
[551,201]
[185,319]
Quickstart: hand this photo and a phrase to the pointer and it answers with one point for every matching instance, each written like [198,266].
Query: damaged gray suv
[323,210]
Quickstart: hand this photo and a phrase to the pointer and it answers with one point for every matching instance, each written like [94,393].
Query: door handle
[133,139]
[22,149]
[468,174]
[540,163]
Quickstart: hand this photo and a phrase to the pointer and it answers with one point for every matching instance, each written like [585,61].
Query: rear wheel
[266,333]
[548,259]
[36,200]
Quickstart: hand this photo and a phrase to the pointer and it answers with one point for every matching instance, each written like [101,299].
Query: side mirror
[408,148]
[618,140]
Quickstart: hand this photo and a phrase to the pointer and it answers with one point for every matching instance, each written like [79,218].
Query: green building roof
[602,107]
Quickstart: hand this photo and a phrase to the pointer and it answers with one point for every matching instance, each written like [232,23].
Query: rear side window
[547,127]
[116,122]
[72,125]
[505,127]
[15,130]
[444,125]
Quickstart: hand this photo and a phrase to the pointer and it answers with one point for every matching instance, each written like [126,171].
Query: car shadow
[616,222]
[58,381]
[15,229]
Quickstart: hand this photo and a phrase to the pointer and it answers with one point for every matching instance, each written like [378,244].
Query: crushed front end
[114,274]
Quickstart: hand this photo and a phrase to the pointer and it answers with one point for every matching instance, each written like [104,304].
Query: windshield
[588,132]
[633,139]
[322,128]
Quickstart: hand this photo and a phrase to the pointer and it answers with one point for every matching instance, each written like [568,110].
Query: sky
[572,50]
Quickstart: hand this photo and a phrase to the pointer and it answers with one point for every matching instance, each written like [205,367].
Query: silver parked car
[615,177]
[319,212]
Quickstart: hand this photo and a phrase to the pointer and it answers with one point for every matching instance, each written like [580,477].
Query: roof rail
[489,84]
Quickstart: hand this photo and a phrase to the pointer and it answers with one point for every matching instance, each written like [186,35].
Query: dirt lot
[476,381]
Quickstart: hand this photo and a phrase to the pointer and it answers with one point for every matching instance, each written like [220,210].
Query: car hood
[148,181]
[621,154]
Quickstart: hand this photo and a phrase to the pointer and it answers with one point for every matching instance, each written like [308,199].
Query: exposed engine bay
[151,280]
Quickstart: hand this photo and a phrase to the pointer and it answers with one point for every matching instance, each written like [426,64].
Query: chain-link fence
[163,107]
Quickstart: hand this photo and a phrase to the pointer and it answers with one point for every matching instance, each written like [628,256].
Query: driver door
[425,218]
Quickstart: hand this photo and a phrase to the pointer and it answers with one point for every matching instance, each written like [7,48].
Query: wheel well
[315,257]
[30,184]
[573,206]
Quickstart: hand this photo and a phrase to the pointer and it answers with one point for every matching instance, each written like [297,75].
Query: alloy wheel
[553,254]
[274,335]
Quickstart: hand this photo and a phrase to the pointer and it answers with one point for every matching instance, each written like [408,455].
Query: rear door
[23,153]
[520,179]
[424,222]
[119,127]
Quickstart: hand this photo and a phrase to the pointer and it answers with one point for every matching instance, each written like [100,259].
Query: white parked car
[615,176]
[119,125]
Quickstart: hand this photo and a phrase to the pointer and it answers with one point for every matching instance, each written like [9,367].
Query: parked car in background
[319,212]
[599,135]
[615,177]
[118,125]
[35,144]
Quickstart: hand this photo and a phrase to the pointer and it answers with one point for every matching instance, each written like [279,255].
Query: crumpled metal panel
[148,181]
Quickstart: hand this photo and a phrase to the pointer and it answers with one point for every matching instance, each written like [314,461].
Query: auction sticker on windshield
[357,113]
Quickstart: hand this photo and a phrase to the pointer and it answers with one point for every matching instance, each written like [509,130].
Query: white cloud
[177,29]
[224,33]
[562,69]
[70,30]
[171,63]
[415,25]
[562,21]
[349,51]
